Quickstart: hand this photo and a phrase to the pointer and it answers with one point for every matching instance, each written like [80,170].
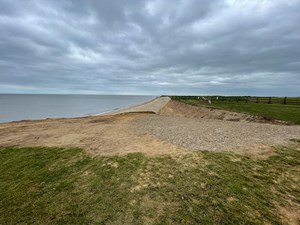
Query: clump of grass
[66,186]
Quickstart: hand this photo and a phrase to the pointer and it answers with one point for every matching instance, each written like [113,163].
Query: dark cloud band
[150,47]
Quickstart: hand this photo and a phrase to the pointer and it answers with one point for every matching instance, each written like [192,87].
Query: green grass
[289,113]
[66,186]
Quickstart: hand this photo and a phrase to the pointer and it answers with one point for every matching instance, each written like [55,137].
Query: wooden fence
[247,99]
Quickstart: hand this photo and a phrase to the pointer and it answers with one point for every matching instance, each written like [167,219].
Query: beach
[157,127]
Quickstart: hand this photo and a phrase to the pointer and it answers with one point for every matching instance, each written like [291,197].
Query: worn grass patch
[66,186]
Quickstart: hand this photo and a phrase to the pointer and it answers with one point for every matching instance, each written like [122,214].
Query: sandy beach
[152,106]
[158,127]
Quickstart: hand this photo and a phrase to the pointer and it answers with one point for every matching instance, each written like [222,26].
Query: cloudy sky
[231,47]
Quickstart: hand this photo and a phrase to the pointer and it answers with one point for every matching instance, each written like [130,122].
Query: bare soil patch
[105,135]
[289,215]
[178,109]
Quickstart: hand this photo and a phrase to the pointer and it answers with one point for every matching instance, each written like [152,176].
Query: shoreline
[151,106]
[105,113]
[116,110]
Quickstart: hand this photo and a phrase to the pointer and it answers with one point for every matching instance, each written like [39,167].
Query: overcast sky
[231,47]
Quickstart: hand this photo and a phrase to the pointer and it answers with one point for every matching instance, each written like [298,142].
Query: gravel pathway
[215,135]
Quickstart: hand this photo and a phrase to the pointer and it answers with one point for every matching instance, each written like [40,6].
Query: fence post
[257,100]
[246,99]
[284,101]
[270,100]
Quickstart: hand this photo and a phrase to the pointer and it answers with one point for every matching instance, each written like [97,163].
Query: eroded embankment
[178,109]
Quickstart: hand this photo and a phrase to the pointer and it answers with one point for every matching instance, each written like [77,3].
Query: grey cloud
[150,47]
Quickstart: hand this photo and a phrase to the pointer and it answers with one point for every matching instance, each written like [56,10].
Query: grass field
[66,186]
[289,113]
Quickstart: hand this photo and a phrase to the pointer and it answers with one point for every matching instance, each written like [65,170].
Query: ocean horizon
[16,107]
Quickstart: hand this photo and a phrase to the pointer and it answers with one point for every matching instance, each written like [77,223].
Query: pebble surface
[211,134]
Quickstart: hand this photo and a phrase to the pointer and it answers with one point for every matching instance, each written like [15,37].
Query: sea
[15,107]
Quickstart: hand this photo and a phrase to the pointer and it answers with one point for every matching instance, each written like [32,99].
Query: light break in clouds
[231,47]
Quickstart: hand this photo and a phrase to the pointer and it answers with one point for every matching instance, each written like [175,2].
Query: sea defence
[154,106]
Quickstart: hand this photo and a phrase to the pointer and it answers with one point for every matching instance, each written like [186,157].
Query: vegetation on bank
[67,186]
[284,112]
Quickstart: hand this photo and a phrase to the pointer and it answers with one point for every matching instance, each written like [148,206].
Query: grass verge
[66,186]
[289,113]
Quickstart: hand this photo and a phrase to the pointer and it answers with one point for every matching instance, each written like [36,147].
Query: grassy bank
[289,113]
[66,186]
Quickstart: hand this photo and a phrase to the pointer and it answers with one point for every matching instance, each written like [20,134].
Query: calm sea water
[23,107]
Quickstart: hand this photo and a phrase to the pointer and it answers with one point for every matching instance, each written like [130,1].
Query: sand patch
[103,135]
